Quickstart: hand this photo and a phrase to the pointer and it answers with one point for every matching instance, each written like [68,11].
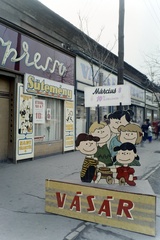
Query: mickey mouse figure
[126,153]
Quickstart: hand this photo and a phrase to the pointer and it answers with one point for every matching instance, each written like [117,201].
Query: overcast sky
[141,25]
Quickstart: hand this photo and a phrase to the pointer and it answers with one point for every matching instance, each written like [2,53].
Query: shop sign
[138,103]
[21,53]
[85,73]
[136,92]
[36,85]
[131,211]
[25,126]
[107,96]
[156,97]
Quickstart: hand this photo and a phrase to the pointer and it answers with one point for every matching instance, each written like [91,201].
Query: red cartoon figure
[126,153]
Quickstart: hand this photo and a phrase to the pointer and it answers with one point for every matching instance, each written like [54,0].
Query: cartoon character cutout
[117,119]
[99,166]
[126,153]
[132,133]
[102,130]
[87,144]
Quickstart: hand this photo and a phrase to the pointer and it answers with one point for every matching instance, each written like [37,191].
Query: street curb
[147,175]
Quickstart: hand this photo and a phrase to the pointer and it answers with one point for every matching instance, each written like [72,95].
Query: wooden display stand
[124,207]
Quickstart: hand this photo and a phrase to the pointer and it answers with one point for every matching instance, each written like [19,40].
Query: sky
[141,25]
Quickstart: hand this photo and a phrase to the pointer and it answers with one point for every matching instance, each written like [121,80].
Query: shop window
[48,119]
[80,110]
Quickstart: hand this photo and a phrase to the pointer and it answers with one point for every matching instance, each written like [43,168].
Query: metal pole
[121,46]
[121,42]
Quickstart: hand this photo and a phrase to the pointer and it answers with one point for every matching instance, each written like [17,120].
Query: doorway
[4,118]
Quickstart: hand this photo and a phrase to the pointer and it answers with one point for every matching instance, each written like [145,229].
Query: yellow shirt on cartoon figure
[87,144]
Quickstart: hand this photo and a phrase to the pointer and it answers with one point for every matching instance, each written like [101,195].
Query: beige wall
[46,148]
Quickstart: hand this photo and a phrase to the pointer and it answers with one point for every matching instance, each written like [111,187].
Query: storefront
[151,107]
[40,96]
[137,102]
[84,78]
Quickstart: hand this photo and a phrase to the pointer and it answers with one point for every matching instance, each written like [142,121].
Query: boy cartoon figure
[87,144]
[126,153]
[102,130]
[117,119]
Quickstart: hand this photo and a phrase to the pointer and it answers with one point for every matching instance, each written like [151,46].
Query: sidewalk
[22,199]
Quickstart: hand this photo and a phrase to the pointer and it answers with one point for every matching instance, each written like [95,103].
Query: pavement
[22,199]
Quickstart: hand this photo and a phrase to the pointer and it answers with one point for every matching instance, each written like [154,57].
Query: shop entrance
[4,118]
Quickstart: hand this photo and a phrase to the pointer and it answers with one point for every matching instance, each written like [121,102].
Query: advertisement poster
[107,96]
[48,114]
[24,132]
[69,126]
[39,111]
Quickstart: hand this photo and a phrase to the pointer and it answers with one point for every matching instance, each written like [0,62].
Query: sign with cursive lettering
[107,96]
[21,53]
[44,87]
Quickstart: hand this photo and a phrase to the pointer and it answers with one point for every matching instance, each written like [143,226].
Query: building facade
[142,100]
[43,74]
[36,96]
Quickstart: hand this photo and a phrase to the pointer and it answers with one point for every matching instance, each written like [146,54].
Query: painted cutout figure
[87,144]
[132,133]
[102,130]
[117,119]
[126,153]
[99,165]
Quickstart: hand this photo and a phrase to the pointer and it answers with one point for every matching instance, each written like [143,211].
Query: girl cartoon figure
[102,130]
[126,153]
[132,133]
[117,119]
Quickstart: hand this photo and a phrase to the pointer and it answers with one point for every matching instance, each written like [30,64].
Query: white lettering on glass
[25,55]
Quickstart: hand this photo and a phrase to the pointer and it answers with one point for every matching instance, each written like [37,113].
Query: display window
[48,119]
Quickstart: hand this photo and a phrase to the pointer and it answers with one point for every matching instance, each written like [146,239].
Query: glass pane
[52,128]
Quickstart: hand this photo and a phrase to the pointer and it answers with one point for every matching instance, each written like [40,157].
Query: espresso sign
[22,53]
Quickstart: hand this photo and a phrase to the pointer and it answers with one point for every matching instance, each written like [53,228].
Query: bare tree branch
[94,51]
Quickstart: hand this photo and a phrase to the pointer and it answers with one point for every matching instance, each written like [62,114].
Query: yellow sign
[46,87]
[130,211]
[25,146]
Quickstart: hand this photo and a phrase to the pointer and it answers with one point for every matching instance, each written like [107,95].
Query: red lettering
[125,206]
[76,202]
[60,199]
[91,204]
[106,207]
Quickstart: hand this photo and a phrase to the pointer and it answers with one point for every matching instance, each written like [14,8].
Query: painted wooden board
[126,210]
